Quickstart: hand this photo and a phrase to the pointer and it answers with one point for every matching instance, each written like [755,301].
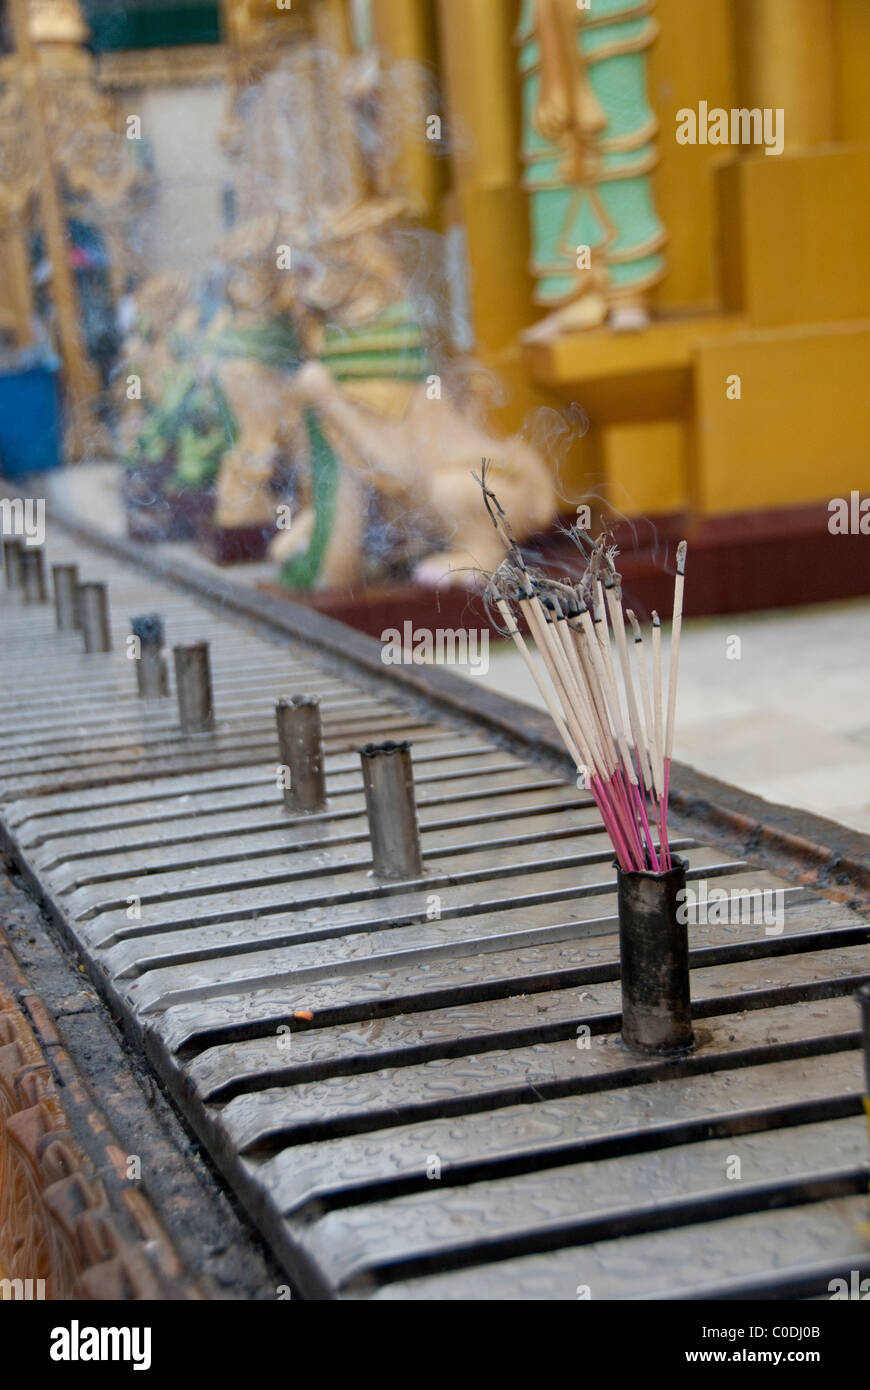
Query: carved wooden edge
[178,66]
[92,1233]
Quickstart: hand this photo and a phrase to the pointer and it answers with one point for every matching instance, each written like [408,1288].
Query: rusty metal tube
[32,562]
[388,782]
[12,548]
[152,676]
[301,750]
[193,687]
[654,960]
[64,579]
[92,602]
[863,998]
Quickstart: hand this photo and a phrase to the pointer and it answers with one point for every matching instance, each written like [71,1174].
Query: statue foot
[449,569]
[588,312]
[296,539]
[629,318]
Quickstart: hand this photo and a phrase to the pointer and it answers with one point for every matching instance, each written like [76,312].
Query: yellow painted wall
[794,235]
[851,59]
[800,431]
[647,467]
[784,59]
[692,58]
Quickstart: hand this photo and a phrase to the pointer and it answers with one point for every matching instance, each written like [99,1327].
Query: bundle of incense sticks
[607,708]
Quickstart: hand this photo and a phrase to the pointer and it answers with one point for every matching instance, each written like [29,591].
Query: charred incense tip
[297,702]
[635,625]
[656,620]
[374,750]
[681,557]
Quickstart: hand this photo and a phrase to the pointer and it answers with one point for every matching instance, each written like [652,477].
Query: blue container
[30,420]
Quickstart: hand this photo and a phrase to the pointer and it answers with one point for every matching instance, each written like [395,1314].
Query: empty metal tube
[12,548]
[92,606]
[152,676]
[388,782]
[32,562]
[193,687]
[301,750]
[65,579]
[863,997]
[654,961]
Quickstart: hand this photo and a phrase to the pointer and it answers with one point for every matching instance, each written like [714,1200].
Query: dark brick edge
[114,1107]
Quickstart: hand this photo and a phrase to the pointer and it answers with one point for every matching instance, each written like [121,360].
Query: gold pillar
[852,62]
[785,59]
[20,281]
[332,31]
[482,101]
[84,432]
[405,32]
[332,25]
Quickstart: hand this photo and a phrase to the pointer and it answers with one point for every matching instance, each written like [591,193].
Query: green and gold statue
[589,150]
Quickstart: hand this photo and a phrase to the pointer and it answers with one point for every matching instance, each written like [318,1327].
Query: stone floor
[789,719]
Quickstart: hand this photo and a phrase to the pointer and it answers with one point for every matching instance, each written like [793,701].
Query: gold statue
[589,149]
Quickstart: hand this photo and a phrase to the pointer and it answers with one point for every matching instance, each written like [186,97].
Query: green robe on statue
[589,149]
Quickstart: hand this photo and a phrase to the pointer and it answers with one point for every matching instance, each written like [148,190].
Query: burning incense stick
[676,629]
[657,690]
[546,694]
[608,712]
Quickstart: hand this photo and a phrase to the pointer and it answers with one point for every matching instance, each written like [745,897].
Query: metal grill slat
[443,1019]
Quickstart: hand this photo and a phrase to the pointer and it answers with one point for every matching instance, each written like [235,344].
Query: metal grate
[419,1091]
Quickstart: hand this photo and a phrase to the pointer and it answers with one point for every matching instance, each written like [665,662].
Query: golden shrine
[731,382]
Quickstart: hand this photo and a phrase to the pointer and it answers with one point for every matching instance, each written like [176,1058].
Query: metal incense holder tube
[301,749]
[65,580]
[92,604]
[863,998]
[152,677]
[193,687]
[12,548]
[654,960]
[388,782]
[32,563]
